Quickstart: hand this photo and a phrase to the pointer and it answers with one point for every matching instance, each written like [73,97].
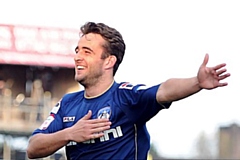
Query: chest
[100,109]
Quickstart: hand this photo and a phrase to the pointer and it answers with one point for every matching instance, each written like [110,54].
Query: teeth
[80,67]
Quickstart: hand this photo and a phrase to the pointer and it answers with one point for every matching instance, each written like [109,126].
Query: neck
[99,88]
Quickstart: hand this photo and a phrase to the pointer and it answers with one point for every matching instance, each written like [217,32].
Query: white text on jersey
[117,132]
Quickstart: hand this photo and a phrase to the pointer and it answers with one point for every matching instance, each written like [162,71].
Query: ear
[110,62]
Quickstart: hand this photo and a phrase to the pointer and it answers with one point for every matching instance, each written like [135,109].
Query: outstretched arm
[43,145]
[207,78]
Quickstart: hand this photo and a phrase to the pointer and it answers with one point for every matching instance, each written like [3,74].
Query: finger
[96,135]
[219,66]
[223,76]
[95,121]
[97,125]
[100,129]
[221,72]
[88,115]
[222,84]
[205,61]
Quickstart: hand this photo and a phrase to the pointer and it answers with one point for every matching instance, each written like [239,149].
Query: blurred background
[164,39]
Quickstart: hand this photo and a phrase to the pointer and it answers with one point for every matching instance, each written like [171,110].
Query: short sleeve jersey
[127,106]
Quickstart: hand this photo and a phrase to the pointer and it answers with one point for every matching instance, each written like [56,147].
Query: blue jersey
[127,106]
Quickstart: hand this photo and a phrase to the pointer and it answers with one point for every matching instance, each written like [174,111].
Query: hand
[86,128]
[210,77]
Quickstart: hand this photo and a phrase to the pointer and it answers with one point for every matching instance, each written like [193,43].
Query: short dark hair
[115,44]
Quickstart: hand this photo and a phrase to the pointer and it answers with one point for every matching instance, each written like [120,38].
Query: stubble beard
[89,80]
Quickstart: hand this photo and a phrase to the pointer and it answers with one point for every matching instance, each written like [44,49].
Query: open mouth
[80,67]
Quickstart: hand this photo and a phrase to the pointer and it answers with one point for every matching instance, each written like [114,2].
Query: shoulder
[128,86]
[69,97]
[65,102]
[135,91]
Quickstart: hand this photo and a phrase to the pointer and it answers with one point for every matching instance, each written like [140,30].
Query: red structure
[28,53]
[28,45]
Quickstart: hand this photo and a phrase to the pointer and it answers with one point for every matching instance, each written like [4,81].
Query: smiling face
[89,66]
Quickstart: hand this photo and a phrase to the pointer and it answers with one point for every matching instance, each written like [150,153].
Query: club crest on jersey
[104,113]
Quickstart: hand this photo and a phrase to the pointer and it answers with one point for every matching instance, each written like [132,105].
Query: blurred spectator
[37,97]
[2,86]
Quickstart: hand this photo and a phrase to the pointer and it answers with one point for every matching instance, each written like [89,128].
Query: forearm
[43,145]
[175,89]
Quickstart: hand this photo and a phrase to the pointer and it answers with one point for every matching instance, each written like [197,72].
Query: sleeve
[139,102]
[54,121]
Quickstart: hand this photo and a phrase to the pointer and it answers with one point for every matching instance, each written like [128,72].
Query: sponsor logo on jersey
[115,132]
[56,108]
[68,119]
[104,113]
[72,143]
[47,122]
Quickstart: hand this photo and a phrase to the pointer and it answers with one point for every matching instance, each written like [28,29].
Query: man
[107,120]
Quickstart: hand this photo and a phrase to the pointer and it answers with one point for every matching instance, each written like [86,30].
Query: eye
[76,50]
[88,52]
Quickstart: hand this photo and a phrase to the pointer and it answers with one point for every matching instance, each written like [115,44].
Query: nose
[77,57]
